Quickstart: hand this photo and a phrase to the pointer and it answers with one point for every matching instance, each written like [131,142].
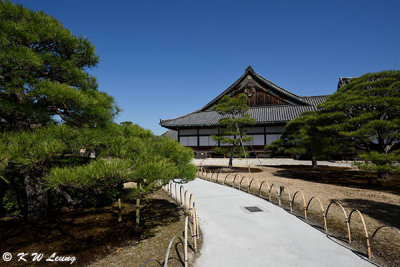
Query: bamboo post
[280,190]
[365,231]
[185,202]
[176,193]
[186,241]
[345,215]
[304,203]
[119,210]
[322,209]
[191,201]
[180,194]
[194,228]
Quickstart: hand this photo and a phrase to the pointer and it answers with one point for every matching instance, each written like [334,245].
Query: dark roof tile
[263,115]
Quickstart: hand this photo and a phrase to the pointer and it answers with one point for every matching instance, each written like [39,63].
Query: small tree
[232,131]
[304,137]
[44,81]
[367,112]
[127,153]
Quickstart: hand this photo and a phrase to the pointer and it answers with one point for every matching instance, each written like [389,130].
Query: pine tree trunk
[36,198]
[230,165]
[314,163]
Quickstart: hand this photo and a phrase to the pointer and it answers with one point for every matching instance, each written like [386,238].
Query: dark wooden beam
[265,136]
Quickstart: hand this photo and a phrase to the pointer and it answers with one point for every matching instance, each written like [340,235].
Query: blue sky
[163,59]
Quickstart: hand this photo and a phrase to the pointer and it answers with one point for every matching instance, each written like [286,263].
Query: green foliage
[233,131]
[233,106]
[179,155]
[280,148]
[380,162]
[99,173]
[367,112]
[10,203]
[303,136]
[57,130]
[43,73]
[362,116]
[127,153]
[124,153]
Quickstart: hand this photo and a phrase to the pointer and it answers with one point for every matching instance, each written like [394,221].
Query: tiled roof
[263,115]
[314,100]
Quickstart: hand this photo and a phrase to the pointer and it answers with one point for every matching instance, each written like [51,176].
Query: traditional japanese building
[271,106]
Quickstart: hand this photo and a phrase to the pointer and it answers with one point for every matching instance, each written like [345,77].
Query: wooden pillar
[265,136]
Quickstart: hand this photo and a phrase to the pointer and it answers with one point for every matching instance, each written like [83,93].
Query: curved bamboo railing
[226,176]
[180,194]
[259,189]
[280,195]
[191,201]
[365,230]
[377,231]
[240,183]
[185,204]
[345,215]
[188,209]
[269,192]
[322,209]
[216,180]
[249,185]
[234,178]
[304,203]
[306,207]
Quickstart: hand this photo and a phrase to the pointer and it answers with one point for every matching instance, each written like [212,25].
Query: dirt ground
[152,249]
[95,237]
[379,202]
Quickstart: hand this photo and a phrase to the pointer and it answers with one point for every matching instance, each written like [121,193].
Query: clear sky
[163,59]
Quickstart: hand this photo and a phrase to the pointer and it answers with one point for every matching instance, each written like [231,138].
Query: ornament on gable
[250,89]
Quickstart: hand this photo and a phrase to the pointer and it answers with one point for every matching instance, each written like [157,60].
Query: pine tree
[367,112]
[56,129]
[232,132]
[43,74]
[303,136]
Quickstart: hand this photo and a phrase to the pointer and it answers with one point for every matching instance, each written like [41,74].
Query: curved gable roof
[290,97]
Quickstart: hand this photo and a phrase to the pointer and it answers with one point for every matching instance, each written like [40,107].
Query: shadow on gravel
[387,213]
[340,176]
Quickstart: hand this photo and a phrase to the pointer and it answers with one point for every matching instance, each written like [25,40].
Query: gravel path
[233,236]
